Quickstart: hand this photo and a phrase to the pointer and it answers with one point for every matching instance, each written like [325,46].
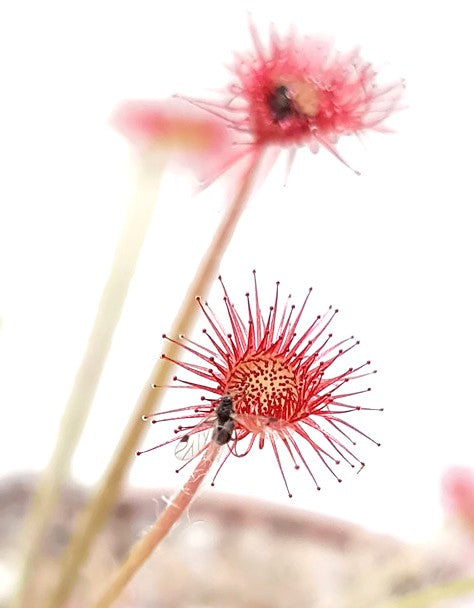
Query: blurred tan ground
[230,552]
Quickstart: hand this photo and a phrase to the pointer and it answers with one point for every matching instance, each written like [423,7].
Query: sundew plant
[272,375]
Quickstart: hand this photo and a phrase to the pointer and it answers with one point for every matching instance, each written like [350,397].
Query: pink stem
[146,545]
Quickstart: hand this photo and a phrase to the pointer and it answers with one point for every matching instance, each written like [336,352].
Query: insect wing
[190,445]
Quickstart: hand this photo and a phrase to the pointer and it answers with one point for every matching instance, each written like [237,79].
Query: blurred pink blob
[458,494]
[191,136]
[302,92]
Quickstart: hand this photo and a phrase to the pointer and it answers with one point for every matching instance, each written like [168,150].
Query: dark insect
[224,423]
[280,103]
[222,427]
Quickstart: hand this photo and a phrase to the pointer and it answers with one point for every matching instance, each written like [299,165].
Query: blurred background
[392,248]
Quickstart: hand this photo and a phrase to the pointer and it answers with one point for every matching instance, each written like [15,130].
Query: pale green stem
[139,213]
[94,516]
[428,598]
[146,545]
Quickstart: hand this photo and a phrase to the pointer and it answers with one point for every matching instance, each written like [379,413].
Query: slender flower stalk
[98,509]
[158,132]
[148,175]
[145,546]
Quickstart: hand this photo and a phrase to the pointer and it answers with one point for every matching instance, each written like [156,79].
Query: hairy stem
[129,244]
[98,509]
[146,545]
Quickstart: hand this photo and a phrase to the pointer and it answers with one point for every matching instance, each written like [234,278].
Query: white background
[392,248]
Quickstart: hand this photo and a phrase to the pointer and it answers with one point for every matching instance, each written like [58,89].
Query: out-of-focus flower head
[265,382]
[301,91]
[458,494]
[189,135]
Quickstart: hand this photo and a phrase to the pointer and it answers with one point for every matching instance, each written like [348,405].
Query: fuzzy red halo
[301,91]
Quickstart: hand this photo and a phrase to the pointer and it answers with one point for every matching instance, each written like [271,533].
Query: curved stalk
[149,170]
[98,509]
[146,545]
